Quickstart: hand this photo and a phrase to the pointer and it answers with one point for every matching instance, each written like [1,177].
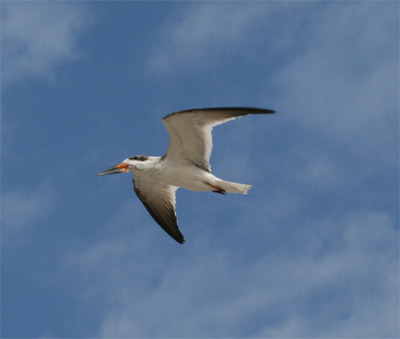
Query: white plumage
[185,164]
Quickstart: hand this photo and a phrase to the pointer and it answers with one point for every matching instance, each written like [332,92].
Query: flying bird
[186,163]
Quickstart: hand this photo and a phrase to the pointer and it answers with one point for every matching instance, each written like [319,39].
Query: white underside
[187,176]
[191,177]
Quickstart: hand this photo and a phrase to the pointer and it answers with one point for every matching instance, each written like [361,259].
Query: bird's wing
[159,200]
[190,135]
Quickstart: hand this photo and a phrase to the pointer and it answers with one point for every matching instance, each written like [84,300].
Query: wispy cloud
[38,36]
[199,35]
[280,292]
[22,210]
[342,87]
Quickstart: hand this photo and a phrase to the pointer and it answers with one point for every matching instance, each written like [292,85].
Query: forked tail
[233,187]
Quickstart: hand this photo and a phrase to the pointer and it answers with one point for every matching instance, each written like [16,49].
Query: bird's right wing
[159,200]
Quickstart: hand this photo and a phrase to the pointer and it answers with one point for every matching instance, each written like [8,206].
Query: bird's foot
[216,189]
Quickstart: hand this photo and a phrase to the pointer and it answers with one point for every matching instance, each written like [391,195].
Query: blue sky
[312,251]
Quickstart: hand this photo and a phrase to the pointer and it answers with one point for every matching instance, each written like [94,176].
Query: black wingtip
[271,111]
[264,110]
[180,239]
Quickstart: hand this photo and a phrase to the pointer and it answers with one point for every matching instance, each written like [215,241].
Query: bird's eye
[139,158]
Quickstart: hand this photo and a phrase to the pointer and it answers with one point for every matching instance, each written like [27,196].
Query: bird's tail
[233,187]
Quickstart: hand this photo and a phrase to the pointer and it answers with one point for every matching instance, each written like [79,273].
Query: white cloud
[193,291]
[23,209]
[199,34]
[38,36]
[343,87]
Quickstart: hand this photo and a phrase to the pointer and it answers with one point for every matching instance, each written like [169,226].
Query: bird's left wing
[189,131]
[159,200]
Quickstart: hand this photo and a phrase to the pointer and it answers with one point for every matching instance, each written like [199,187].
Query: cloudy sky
[312,251]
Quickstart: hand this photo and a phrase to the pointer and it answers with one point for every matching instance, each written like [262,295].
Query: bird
[186,164]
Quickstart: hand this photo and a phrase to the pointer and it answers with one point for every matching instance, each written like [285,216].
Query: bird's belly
[191,178]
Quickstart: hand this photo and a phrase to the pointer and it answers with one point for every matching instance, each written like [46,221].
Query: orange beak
[120,168]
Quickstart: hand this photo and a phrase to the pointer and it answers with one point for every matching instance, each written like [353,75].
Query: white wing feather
[190,132]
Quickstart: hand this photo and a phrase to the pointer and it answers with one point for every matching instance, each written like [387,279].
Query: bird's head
[131,164]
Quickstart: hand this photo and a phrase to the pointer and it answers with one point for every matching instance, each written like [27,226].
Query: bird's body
[186,176]
[178,174]
[185,165]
